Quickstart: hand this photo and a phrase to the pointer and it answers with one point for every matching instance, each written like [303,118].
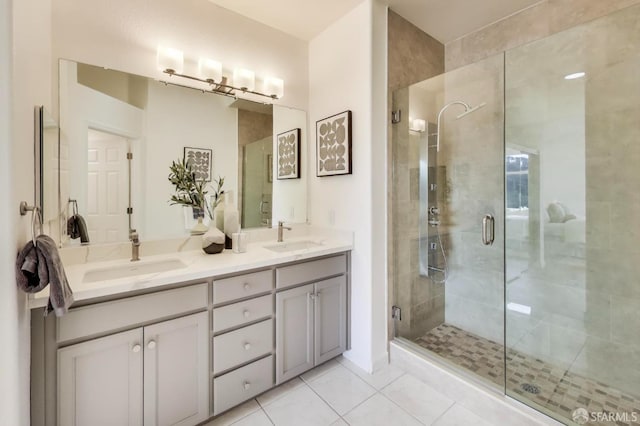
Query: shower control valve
[434,210]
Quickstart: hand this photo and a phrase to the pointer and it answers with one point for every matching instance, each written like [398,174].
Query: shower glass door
[544,139]
[572,127]
[448,283]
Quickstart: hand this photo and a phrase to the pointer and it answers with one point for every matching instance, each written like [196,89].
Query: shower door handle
[488,230]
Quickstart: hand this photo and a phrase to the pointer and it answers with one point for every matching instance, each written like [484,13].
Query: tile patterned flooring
[339,393]
[559,390]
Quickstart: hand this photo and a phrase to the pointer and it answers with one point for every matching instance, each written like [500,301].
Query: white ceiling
[445,20]
[303,19]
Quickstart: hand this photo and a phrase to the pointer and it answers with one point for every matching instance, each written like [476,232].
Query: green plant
[190,192]
[217,194]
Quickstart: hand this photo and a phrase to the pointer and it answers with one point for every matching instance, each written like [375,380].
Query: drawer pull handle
[246,385]
[247,346]
[246,313]
[136,349]
[247,287]
[151,344]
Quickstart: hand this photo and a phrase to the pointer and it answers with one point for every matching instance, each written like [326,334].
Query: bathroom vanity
[171,351]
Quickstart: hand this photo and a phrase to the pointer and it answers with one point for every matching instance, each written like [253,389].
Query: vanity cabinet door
[294,332]
[176,365]
[100,381]
[330,318]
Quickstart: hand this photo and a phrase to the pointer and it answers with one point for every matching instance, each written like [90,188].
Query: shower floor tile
[549,386]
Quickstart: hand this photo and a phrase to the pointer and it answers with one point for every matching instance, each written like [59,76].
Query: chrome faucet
[135,245]
[281,229]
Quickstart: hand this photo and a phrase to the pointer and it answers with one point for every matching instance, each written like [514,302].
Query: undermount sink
[132,269]
[293,246]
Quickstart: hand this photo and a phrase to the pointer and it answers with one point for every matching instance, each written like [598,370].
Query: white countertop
[199,266]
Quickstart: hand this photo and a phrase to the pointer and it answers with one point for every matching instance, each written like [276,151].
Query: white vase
[218,214]
[200,227]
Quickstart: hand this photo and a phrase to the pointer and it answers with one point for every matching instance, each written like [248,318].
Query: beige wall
[413,56]
[539,21]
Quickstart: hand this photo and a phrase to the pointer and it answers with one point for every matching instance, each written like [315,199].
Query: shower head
[469,110]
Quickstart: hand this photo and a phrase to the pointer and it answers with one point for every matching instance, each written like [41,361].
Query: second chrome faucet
[281,229]
[135,245]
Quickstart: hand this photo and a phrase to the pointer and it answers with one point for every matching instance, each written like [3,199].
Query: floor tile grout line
[358,405]
[265,411]
[323,400]
[401,408]
[393,381]
[302,382]
[241,417]
[268,416]
[320,375]
[443,413]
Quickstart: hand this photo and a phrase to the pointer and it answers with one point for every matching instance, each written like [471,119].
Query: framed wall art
[201,160]
[288,150]
[333,145]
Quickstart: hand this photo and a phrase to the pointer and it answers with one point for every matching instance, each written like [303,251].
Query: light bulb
[244,79]
[210,70]
[274,87]
[170,60]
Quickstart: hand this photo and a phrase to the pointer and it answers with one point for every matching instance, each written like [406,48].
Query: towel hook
[36,215]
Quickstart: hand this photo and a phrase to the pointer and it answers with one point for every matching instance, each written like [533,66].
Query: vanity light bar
[171,61]
[220,87]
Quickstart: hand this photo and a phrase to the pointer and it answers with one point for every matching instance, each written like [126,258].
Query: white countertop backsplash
[79,260]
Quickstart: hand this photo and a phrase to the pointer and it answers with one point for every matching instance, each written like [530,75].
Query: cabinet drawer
[229,289]
[242,312]
[242,384]
[237,347]
[103,317]
[310,271]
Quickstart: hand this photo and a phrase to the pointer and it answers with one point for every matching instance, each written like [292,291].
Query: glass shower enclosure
[516,219]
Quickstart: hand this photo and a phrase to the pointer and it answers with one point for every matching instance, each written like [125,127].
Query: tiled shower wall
[413,56]
[540,20]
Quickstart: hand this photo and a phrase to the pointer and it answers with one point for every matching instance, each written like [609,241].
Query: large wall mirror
[120,133]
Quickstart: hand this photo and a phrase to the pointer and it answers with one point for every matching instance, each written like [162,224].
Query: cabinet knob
[136,349]
[311,296]
[247,346]
[151,344]
[246,385]
[247,287]
[246,313]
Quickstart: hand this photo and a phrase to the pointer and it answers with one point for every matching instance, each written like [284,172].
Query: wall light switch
[332,217]
[292,212]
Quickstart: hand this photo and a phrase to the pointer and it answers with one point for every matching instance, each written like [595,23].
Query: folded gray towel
[39,266]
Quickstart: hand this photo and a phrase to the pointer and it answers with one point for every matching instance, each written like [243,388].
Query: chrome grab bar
[488,230]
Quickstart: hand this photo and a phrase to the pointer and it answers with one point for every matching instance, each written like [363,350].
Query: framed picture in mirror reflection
[289,154]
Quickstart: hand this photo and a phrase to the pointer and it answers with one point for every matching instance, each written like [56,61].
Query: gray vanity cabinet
[100,381]
[153,375]
[176,368]
[330,319]
[312,319]
[294,332]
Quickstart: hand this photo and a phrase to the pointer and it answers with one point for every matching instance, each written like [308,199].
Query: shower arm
[444,108]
